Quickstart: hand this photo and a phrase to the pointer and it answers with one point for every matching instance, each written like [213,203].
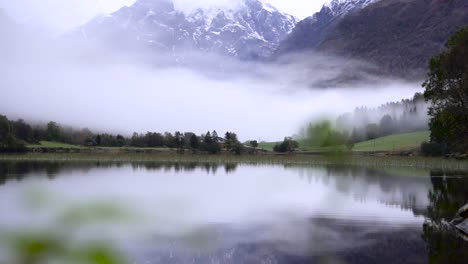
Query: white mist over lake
[89,85]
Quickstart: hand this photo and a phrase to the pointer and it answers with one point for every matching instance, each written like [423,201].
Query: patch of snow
[343,7]
[269,7]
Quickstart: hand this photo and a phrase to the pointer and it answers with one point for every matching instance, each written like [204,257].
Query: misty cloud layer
[85,84]
[63,15]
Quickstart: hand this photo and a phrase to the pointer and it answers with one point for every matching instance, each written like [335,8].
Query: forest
[363,124]
[16,135]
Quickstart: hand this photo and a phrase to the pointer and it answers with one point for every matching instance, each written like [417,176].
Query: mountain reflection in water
[234,213]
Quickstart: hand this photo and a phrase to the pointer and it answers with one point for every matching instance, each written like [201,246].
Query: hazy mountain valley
[221,131]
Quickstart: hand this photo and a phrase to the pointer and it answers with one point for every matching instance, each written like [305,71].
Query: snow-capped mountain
[253,29]
[310,32]
[340,8]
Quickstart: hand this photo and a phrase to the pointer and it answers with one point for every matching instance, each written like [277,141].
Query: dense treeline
[15,135]
[409,115]
[9,132]
[447,91]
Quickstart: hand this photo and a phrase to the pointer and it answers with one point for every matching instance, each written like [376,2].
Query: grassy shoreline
[270,159]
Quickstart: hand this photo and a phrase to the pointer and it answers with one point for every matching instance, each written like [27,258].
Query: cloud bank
[90,85]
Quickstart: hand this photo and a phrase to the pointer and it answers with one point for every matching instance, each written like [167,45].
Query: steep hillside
[398,35]
[312,31]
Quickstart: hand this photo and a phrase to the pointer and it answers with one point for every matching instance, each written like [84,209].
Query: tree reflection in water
[448,195]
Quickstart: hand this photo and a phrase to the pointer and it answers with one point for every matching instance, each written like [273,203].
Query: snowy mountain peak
[259,5]
[343,7]
[155,4]
[251,29]
[244,7]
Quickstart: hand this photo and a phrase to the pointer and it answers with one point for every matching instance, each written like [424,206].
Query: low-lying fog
[85,84]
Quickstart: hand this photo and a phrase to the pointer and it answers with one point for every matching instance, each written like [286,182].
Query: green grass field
[399,142]
[49,144]
[267,145]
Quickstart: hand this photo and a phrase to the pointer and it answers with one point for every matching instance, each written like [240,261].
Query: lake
[195,212]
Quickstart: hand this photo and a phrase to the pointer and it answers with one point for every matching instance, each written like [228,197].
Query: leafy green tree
[253,143]
[447,90]
[322,134]
[5,127]
[317,133]
[169,140]
[154,140]
[8,141]
[54,132]
[238,149]
[137,140]
[23,131]
[288,145]
[120,141]
[38,134]
[335,138]
[231,142]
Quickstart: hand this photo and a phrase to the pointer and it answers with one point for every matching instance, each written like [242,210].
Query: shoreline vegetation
[292,159]
[19,136]
[406,144]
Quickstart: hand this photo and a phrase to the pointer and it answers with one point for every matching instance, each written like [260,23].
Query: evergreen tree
[194,142]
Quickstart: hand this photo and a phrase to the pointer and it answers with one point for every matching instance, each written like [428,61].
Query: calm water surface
[204,213]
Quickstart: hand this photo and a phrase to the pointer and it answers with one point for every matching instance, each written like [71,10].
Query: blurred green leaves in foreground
[72,236]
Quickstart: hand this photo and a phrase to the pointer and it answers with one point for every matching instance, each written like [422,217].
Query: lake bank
[266,159]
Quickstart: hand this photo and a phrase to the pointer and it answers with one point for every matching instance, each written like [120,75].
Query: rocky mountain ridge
[312,31]
[251,30]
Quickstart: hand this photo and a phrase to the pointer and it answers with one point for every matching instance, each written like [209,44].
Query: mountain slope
[312,31]
[251,30]
[397,35]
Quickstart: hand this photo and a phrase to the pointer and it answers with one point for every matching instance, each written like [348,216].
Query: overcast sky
[62,15]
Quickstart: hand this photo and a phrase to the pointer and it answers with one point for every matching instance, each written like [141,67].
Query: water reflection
[234,213]
[20,170]
[449,192]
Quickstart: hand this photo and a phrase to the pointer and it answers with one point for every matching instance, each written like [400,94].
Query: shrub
[432,149]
